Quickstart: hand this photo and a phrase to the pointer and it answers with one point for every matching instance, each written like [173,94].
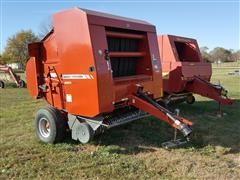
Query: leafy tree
[205,55]
[221,54]
[4,59]
[236,56]
[16,48]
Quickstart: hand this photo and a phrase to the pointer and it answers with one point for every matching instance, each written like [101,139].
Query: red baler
[96,71]
[185,72]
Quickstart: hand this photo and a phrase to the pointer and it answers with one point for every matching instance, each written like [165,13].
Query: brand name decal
[77,76]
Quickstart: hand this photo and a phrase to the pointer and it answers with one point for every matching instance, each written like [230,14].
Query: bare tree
[45,27]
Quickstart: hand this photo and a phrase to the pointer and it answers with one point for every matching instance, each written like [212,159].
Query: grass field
[132,151]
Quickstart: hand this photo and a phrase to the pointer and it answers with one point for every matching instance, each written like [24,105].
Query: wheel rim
[44,127]
[190,99]
[83,134]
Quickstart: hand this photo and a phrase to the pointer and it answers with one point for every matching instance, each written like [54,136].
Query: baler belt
[123,52]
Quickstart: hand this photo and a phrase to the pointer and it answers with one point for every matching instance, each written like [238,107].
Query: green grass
[228,64]
[132,151]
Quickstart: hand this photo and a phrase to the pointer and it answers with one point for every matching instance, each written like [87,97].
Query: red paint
[183,66]
[77,43]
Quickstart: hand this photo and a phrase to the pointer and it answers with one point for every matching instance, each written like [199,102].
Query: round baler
[186,73]
[96,71]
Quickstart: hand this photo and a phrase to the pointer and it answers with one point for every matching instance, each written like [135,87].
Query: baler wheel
[190,99]
[2,85]
[22,83]
[50,125]
[85,133]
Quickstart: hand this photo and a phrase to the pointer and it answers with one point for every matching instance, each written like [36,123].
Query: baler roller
[124,35]
[126,54]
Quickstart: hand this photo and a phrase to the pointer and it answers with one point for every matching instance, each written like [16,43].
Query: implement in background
[185,72]
[8,71]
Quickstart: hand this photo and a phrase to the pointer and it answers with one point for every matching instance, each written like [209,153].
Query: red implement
[85,67]
[185,72]
[17,80]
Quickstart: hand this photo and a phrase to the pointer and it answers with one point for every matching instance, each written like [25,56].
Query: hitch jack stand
[175,142]
[220,112]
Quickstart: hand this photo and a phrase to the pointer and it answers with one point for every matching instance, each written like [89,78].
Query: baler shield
[31,77]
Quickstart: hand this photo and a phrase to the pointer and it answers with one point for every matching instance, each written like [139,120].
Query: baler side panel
[50,72]
[75,52]
[34,69]
[189,70]
[105,80]
[167,55]
[157,85]
[31,77]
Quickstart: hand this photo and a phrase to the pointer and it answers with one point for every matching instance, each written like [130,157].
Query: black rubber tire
[22,83]
[57,125]
[85,133]
[190,99]
[2,85]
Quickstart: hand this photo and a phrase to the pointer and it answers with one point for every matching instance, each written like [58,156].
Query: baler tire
[56,124]
[22,83]
[190,99]
[85,133]
[2,85]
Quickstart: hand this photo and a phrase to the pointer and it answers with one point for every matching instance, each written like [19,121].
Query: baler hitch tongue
[144,102]
[207,89]
[183,128]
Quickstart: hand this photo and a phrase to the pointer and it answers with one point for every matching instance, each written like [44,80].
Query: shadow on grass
[147,134]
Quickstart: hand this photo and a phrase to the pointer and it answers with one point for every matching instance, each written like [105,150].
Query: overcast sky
[212,22]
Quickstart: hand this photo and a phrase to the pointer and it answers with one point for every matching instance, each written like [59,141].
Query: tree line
[15,50]
[219,55]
